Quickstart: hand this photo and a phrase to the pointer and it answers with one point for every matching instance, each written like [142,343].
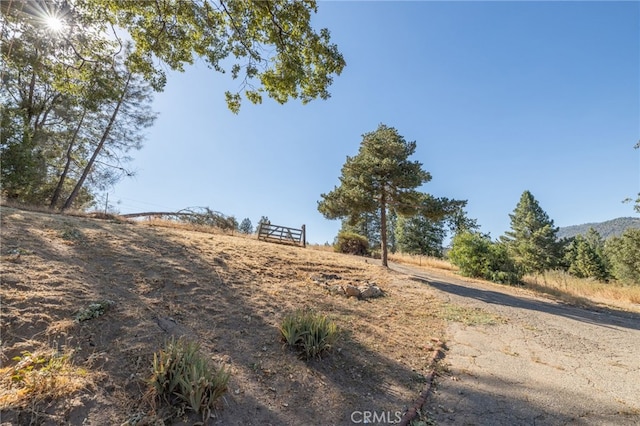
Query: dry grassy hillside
[228,293]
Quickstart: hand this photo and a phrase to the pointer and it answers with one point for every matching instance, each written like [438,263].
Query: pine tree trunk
[383,228]
[105,135]
[63,176]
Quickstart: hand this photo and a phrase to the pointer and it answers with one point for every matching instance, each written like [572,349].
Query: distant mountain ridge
[607,229]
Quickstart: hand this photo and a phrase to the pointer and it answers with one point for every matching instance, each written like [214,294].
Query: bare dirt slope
[227,293]
[546,364]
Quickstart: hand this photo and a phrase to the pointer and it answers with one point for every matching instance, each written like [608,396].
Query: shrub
[351,243]
[470,252]
[308,333]
[477,256]
[183,376]
[501,268]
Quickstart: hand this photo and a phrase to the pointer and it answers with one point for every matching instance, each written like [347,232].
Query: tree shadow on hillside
[162,288]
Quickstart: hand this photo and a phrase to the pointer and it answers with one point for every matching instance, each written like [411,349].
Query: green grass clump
[72,234]
[184,378]
[308,333]
[94,310]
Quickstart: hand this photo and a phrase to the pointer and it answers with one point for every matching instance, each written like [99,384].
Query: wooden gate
[282,234]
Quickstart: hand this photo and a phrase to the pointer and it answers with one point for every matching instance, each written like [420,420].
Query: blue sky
[501,97]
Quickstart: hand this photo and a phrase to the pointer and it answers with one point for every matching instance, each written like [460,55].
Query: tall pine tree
[532,241]
[377,180]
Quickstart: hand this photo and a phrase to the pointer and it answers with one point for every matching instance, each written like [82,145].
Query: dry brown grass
[321,247]
[229,294]
[559,284]
[406,259]
[422,261]
[184,226]
[34,378]
[582,291]
[69,212]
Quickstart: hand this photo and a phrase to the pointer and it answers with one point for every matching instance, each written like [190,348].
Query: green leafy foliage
[183,377]
[351,243]
[532,241]
[28,362]
[310,334]
[270,47]
[477,256]
[624,254]
[424,232]
[75,102]
[501,267]
[380,178]
[470,252]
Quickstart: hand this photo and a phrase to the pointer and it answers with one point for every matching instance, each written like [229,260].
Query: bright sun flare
[54,23]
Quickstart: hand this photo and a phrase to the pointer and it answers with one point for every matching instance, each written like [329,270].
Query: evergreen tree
[586,258]
[367,225]
[246,227]
[624,255]
[532,241]
[458,221]
[420,235]
[424,233]
[377,180]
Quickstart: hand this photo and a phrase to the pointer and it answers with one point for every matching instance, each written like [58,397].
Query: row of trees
[532,247]
[72,109]
[78,79]
[379,203]
[423,233]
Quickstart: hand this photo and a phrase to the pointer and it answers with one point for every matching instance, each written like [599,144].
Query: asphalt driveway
[548,363]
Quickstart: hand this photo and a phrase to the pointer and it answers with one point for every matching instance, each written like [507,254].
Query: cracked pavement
[548,364]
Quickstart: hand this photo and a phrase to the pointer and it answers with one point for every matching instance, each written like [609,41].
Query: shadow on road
[481,400]
[597,316]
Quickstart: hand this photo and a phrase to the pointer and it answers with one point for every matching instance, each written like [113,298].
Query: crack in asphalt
[550,363]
